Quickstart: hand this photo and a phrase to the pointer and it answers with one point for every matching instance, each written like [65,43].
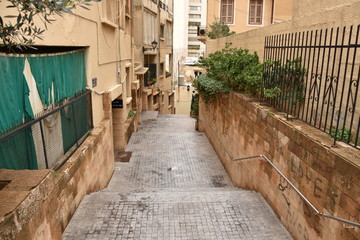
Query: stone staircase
[174,187]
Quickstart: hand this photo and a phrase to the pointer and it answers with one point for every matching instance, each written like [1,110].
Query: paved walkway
[174,187]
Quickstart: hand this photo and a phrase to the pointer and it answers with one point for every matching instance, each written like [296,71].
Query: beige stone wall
[329,177]
[326,13]
[183,100]
[39,204]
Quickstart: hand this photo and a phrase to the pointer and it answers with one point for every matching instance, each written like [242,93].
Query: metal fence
[50,139]
[314,76]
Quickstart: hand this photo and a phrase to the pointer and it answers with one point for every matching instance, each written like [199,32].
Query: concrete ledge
[39,204]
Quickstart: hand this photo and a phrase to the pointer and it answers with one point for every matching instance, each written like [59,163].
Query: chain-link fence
[49,140]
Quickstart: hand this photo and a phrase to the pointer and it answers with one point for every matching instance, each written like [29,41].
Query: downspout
[272,11]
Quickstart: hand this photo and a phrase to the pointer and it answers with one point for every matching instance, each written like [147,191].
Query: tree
[22,29]
[219,29]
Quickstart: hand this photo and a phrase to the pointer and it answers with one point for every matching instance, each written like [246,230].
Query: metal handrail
[316,211]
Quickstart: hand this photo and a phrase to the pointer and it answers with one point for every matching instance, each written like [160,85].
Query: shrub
[210,88]
[237,68]
[219,29]
[195,107]
[286,79]
[343,134]
[131,113]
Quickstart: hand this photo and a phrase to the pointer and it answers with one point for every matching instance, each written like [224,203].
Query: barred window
[227,11]
[255,12]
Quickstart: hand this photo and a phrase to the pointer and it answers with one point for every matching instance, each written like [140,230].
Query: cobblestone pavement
[174,187]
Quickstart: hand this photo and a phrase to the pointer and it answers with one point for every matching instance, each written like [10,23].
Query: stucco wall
[238,126]
[107,46]
[39,204]
[241,13]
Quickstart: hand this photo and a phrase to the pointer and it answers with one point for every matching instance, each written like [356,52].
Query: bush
[131,113]
[343,134]
[237,68]
[195,107]
[286,79]
[209,88]
[219,29]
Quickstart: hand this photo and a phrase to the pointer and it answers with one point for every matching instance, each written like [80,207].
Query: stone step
[176,215]
[174,187]
[148,115]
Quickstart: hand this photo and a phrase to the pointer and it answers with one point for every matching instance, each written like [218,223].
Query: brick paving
[174,187]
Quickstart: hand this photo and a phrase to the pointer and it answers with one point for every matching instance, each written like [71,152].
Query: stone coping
[341,149]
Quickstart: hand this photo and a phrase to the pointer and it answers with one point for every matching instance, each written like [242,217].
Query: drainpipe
[272,11]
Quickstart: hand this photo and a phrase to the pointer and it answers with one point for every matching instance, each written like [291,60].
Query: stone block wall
[329,177]
[39,204]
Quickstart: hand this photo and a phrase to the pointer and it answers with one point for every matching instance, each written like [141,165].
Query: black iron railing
[50,139]
[314,76]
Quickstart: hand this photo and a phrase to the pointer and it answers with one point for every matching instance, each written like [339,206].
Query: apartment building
[244,15]
[196,18]
[153,49]
[189,15]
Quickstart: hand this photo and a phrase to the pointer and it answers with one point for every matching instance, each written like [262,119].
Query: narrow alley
[176,192]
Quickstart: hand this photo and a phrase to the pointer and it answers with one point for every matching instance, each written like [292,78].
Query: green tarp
[66,72]
[14,105]
[18,151]
[73,123]
[63,75]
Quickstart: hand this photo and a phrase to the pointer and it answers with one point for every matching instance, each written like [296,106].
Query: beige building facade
[153,50]
[245,15]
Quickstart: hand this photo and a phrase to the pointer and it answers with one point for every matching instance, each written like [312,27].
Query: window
[195,8]
[194,24]
[169,33]
[161,69]
[195,16]
[150,27]
[192,39]
[110,10]
[194,47]
[128,7]
[168,58]
[193,54]
[192,31]
[255,12]
[128,82]
[227,11]
[162,30]
[128,17]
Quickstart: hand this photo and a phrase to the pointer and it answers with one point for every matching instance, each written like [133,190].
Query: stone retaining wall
[39,204]
[329,177]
